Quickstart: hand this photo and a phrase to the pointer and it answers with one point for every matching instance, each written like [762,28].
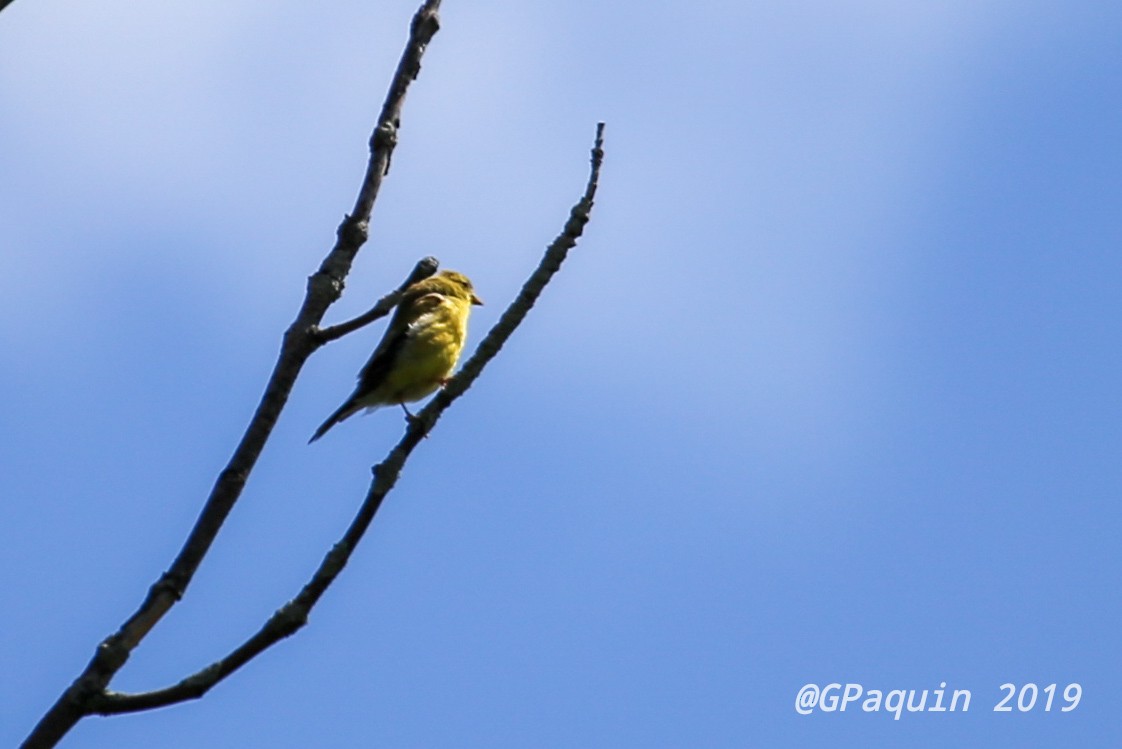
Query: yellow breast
[429,354]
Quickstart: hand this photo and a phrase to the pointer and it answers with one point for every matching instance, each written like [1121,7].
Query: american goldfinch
[419,349]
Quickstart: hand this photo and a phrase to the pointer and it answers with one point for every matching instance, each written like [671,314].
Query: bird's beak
[476,300]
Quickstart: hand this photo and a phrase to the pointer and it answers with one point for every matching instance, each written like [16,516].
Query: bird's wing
[402,327]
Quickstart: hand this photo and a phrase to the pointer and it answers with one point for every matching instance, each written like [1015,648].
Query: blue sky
[828,393]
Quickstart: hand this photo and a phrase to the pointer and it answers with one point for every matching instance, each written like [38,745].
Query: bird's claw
[413,420]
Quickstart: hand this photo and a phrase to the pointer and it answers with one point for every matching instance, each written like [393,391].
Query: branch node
[426,22]
[386,472]
[384,137]
[323,284]
[287,620]
[169,583]
[353,231]
[336,559]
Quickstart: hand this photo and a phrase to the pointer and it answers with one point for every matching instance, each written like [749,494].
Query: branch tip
[424,268]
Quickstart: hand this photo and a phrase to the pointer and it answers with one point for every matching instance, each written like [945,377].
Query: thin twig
[422,270]
[294,614]
[324,288]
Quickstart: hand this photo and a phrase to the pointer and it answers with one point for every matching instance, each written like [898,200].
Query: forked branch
[300,341]
[294,614]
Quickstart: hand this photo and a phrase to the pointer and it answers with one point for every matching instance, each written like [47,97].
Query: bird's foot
[412,419]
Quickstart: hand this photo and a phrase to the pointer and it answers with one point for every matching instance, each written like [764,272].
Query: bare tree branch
[294,614]
[324,288]
[5,4]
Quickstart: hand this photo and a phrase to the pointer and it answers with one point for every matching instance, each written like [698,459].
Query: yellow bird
[419,349]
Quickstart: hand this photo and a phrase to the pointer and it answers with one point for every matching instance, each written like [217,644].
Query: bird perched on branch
[419,349]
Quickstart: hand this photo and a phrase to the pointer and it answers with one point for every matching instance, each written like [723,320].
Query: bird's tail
[343,412]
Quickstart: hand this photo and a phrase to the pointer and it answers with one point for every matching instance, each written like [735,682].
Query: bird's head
[455,284]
